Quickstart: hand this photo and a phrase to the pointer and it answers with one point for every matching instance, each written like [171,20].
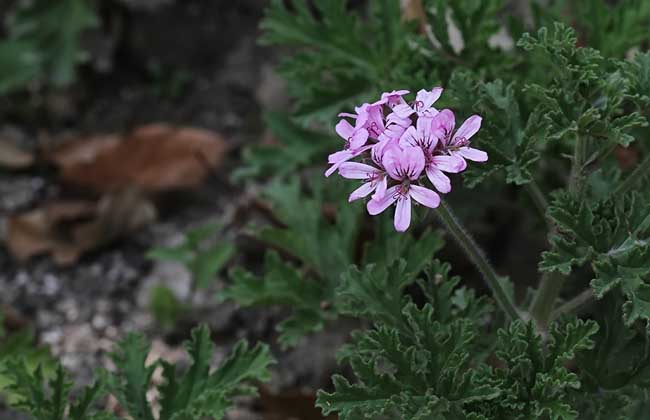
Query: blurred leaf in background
[44,43]
[203,260]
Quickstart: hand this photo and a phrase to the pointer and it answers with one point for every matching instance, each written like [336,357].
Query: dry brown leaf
[82,150]
[12,157]
[156,157]
[68,229]
[413,10]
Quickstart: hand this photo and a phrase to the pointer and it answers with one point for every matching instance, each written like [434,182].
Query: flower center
[402,190]
[374,129]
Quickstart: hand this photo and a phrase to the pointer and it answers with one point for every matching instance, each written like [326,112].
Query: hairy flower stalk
[398,147]
[478,258]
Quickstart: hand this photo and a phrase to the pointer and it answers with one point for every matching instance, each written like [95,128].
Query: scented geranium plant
[543,125]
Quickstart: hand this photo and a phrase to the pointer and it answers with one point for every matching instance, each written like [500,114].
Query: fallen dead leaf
[413,10]
[82,150]
[68,229]
[153,158]
[12,157]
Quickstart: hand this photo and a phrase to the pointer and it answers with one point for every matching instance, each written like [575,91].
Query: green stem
[538,197]
[575,304]
[640,172]
[478,258]
[548,292]
[579,155]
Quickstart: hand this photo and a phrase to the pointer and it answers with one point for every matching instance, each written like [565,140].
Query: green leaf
[281,285]
[22,344]
[208,263]
[298,147]
[164,306]
[243,364]
[45,399]
[133,377]
[44,42]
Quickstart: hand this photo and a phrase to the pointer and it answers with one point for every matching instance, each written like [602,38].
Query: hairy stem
[640,172]
[579,155]
[478,258]
[538,197]
[574,305]
[548,292]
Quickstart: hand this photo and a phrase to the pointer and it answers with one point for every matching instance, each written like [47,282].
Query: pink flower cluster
[397,145]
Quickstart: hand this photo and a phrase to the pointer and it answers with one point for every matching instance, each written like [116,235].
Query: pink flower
[422,105]
[379,127]
[396,145]
[458,144]
[375,177]
[355,140]
[405,166]
[394,98]
[424,137]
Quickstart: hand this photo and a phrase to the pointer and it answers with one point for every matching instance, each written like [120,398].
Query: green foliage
[203,262]
[22,343]
[345,57]
[282,284]
[610,235]
[422,362]
[200,392]
[324,248]
[414,364]
[535,383]
[45,399]
[43,43]
[611,27]
[638,72]
[164,306]
[291,153]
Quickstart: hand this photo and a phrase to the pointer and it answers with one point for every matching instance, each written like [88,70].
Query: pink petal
[344,129]
[443,123]
[391,161]
[423,124]
[451,164]
[473,154]
[347,115]
[376,206]
[355,170]
[394,93]
[469,127]
[403,214]
[361,192]
[413,162]
[340,156]
[403,110]
[332,169]
[359,138]
[424,196]
[439,180]
[428,97]
[393,118]
[409,138]
[382,185]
